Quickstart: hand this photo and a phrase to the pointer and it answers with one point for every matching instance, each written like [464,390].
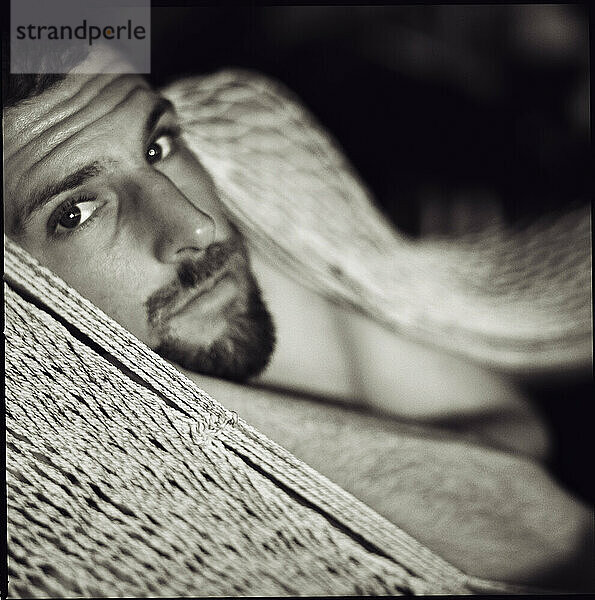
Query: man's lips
[214,292]
[205,287]
[195,283]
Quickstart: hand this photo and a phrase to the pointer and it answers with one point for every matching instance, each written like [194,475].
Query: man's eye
[161,148]
[73,215]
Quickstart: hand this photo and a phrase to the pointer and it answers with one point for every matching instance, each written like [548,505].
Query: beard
[247,342]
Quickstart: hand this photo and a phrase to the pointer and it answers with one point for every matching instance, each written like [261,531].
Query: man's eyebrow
[39,199]
[161,107]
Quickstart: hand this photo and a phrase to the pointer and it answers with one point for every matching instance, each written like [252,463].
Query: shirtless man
[101,189]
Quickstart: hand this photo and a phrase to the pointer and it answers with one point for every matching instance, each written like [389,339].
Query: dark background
[451,114]
[438,107]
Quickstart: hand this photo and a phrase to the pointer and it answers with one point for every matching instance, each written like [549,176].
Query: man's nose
[181,229]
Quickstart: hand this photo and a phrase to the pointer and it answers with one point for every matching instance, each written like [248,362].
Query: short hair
[23,86]
[18,87]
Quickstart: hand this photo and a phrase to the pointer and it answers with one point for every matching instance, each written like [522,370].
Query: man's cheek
[127,308]
[118,288]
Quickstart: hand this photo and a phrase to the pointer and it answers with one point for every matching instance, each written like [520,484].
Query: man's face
[101,189]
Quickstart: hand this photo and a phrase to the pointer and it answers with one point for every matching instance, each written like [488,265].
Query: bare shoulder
[492,514]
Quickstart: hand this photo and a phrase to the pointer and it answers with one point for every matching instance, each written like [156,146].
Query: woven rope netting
[513,299]
[125,479]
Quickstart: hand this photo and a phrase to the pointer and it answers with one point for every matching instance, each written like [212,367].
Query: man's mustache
[191,274]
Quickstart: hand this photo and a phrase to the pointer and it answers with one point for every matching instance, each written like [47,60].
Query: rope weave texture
[512,299]
[117,489]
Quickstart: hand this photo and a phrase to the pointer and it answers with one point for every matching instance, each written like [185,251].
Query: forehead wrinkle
[46,148]
[27,113]
[31,109]
[42,163]
[37,111]
[61,92]
[60,128]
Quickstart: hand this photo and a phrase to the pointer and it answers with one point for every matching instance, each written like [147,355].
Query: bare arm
[489,513]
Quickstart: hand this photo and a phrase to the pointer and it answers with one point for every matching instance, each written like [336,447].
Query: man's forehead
[48,136]
[74,102]
[75,110]
[100,67]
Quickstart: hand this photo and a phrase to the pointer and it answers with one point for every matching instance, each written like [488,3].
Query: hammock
[513,299]
[126,479]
